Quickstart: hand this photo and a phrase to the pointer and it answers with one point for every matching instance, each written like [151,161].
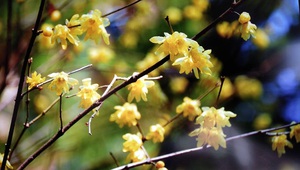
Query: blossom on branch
[156,133]
[176,44]
[211,122]
[8,165]
[94,26]
[279,143]
[139,89]
[61,82]
[295,131]
[133,142]
[126,115]
[34,80]
[247,28]
[61,33]
[189,108]
[88,93]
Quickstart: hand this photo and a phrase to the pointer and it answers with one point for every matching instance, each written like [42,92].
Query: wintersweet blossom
[139,89]
[137,156]
[74,25]
[176,44]
[126,115]
[34,80]
[212,117]
[247,28]
[156,133]
[8,165]
[279,143]
[211,136]
[133,142]
[61,82]
[88,93]
[211,122]
[61,33]
[295,131]
[189,108]
[198,59]
[94,26]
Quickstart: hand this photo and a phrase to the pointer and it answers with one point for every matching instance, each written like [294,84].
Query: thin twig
[60,112]
[219,94]
[114,158]
[120,9]
[97,108]
[208,91]
[49,80]
[20,86]
[162,157]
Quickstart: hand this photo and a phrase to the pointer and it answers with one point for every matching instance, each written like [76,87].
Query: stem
[219,94]
[114,158]
[158,158]
[60,112]
[120,9]
[20,86]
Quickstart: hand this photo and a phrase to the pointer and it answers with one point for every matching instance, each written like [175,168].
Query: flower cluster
[88,93]
[126,115]
[185,52]
[139,89]
[211,122]
[92,24]
[189,108]
[247,28]
[133,145]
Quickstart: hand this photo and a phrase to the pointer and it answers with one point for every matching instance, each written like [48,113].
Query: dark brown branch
[20,86]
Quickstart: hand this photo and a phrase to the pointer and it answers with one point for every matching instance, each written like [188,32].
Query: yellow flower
[247,28]
[198,59]
[126,114]
[179,84]
[248,88]
[202,5]
[61,34]
[139,89]
[74,25]
[295,131]
[156,133]
[174,14]
[211,136]
[137,156]
[94,26]
[88,93]
[8,165]
[61,82]
[192,12]
[279,143]
[226,29]
[189,108]
[212,117]
[176,44]
[133,142]
[45,41]
[261,39]
[100,55]
[244,18]
[34,80]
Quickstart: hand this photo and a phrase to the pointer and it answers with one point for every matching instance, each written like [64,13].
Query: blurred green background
[262,85]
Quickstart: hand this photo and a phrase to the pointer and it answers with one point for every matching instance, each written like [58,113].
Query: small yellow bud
[55,15]
[159,164]
[47,31]
[244,17]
